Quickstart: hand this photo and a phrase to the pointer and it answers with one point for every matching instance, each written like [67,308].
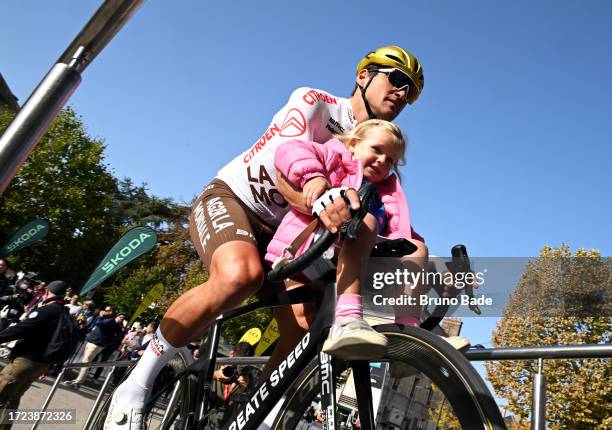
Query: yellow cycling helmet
[394,56]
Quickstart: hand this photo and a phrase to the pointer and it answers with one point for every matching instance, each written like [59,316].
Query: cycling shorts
[218,216]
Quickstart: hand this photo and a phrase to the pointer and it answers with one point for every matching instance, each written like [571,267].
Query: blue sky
[510,142]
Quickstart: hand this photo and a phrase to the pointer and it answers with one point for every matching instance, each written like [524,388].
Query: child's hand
[313,189]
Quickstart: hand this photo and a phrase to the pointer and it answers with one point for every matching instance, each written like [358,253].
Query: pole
[99,398]
[440,412]
[538,407]
[33,120]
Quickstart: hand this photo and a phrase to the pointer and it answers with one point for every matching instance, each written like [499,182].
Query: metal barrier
[113,365]
[540,353]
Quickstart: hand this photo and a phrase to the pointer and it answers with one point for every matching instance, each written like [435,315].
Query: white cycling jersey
[310,114]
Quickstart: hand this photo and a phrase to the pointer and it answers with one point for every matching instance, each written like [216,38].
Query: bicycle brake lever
[462,263]
[469,291]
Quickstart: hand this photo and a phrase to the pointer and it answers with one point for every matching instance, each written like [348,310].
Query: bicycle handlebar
[462,264]
[349,229]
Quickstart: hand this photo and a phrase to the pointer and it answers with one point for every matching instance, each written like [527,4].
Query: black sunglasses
[397,78]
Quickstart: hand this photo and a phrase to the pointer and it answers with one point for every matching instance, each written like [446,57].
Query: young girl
[370,153]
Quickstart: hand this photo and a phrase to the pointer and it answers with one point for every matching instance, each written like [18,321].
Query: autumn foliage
[561,299]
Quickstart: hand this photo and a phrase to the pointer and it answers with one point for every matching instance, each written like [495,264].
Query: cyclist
[234,217]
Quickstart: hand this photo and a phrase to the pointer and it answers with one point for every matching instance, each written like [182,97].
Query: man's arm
[105,321]
[25,327]
[334,215]
[292,194]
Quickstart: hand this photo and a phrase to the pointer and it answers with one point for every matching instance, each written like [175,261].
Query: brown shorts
[218,216]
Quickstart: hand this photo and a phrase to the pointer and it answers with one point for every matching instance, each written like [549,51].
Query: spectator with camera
[29,358]
[37,297]
[24,288]
[86,316]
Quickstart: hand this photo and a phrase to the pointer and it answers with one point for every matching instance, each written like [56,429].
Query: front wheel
[422,380]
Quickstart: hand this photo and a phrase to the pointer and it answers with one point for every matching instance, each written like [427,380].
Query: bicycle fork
[327,376]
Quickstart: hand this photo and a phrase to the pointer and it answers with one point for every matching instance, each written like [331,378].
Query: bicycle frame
[268,393]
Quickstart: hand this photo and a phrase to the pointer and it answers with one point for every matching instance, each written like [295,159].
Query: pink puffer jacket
[300,161]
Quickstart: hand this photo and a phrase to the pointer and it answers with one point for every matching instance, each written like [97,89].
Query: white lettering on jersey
[217,214]
[202,228]
[310,114]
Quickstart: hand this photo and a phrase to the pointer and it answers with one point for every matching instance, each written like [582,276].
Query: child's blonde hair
[363,128]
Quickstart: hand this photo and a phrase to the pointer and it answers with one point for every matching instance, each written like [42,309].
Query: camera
[230,372]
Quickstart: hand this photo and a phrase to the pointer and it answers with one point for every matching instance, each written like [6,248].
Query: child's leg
[351,338]
[351,269]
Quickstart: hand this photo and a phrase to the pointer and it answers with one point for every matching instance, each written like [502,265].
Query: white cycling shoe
[121,417]
[353,339]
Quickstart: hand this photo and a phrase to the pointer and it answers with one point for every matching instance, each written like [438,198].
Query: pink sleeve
[300,161]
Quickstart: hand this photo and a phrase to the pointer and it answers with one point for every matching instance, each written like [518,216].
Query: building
[8,101]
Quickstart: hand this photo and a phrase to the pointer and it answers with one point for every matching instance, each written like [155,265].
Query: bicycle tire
[448,369]
[181,409]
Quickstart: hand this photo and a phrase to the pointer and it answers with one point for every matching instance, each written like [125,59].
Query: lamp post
[440,412]
[33,120]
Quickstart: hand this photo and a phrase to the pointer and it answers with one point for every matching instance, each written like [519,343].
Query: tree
[172,262]
[235,328]
[66,182]
[560,299]
[134,206]
[441,413]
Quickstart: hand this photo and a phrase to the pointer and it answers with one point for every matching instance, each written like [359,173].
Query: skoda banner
[152,296]
[132,245]
[29,234]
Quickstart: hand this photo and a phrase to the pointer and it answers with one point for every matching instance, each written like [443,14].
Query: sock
[409,321]
[349,305]
[134,390]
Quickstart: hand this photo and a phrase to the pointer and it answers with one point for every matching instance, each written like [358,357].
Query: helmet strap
[363,95]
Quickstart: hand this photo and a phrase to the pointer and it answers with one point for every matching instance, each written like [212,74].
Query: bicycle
[307,372]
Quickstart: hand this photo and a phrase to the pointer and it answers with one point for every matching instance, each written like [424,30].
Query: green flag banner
[152,296]
[27,235]
[268,338]
[132,245]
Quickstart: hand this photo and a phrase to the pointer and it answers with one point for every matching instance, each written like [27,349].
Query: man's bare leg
[235,274]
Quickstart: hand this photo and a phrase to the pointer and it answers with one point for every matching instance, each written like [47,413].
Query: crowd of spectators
[105,336]
[23,301]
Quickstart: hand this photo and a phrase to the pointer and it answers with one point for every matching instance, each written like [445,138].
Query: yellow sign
[152,296]
[268,338]
[251,336]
